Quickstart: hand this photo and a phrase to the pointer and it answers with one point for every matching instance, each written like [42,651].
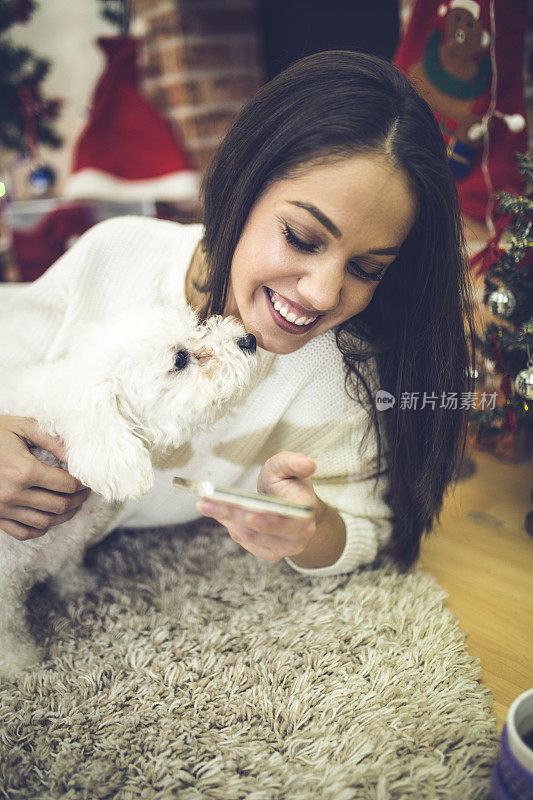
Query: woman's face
[313,248]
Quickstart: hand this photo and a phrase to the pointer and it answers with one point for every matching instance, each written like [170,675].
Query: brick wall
[200,61]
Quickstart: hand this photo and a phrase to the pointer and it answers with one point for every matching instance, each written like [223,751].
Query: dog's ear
[103,451]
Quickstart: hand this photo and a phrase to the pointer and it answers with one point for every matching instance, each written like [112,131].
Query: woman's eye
[367,276]
[293,239]
[311,248]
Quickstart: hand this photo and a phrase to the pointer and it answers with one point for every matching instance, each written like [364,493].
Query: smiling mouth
[284,316]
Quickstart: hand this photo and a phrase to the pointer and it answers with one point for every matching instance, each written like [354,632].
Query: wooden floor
[482,556]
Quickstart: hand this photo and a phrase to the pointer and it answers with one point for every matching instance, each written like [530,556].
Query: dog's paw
[118,475]
[16,656]
[125,487]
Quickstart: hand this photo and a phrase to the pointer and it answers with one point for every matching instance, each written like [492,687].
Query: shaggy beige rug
[200,671]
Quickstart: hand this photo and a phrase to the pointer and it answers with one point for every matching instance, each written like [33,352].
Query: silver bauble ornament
[502,302]
[524,382]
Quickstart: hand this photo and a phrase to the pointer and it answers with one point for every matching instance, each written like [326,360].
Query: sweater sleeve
[366,531]
[35,315]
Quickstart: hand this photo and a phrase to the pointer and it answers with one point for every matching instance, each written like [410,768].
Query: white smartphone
[249,501]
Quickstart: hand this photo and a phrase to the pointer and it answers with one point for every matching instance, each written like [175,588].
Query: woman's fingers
[268,536]
[18,531]
[28,430]
[22,529]
[54,479]
[45,510]
[239,516]
[40,520]
[56,503]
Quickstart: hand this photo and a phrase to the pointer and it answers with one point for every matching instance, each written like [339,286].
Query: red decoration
[448,51]
[491,253]
[510,423]
[37,248]
[23,10]
[127,151]
[496,352]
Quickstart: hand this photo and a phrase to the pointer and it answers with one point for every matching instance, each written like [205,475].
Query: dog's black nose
[247,343]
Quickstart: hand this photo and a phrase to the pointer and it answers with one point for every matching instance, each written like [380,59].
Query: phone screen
[250,501]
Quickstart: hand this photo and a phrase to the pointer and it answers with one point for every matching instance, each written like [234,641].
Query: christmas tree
[507,341]
[25,114]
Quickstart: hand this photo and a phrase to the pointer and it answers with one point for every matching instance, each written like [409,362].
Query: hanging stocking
[37,248]
[127,151]
[465,58]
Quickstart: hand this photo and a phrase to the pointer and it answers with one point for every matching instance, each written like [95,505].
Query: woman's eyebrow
[325,221]
[332,228]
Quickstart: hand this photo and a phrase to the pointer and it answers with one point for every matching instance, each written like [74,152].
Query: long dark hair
[333,105]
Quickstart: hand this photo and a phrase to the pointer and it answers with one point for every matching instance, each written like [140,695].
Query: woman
[331,228]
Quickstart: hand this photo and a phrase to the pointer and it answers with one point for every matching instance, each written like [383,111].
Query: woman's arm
[324,544]
[328,543]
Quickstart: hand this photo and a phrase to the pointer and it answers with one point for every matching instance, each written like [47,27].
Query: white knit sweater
[298,401]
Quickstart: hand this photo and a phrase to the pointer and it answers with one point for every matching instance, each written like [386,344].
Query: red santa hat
[127,151]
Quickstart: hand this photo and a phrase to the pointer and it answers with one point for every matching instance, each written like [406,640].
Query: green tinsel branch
[13,11]
[19,68]
[525,166]
[514,204]
[117,12]
[513,349]
[495,418]
[512,279]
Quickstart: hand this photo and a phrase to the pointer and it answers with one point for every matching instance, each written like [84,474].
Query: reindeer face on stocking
[464,38]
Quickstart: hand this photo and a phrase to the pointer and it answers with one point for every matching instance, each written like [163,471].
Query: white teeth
[290,316]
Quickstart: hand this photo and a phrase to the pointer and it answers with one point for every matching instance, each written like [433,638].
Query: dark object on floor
[467,469]
[528,522]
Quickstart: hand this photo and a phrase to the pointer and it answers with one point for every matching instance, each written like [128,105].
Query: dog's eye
[181,360]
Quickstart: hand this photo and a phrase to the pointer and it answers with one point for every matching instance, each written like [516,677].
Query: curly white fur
[118,399]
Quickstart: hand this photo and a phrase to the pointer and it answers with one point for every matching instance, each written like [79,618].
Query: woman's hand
[33,496]
[272,536]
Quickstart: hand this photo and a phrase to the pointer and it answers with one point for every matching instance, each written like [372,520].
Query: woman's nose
[320,289]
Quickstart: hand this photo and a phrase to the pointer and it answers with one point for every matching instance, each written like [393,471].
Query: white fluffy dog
[128,390]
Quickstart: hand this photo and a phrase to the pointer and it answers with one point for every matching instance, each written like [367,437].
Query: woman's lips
[283,323]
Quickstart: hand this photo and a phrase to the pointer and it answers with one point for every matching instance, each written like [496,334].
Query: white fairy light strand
[485,123]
